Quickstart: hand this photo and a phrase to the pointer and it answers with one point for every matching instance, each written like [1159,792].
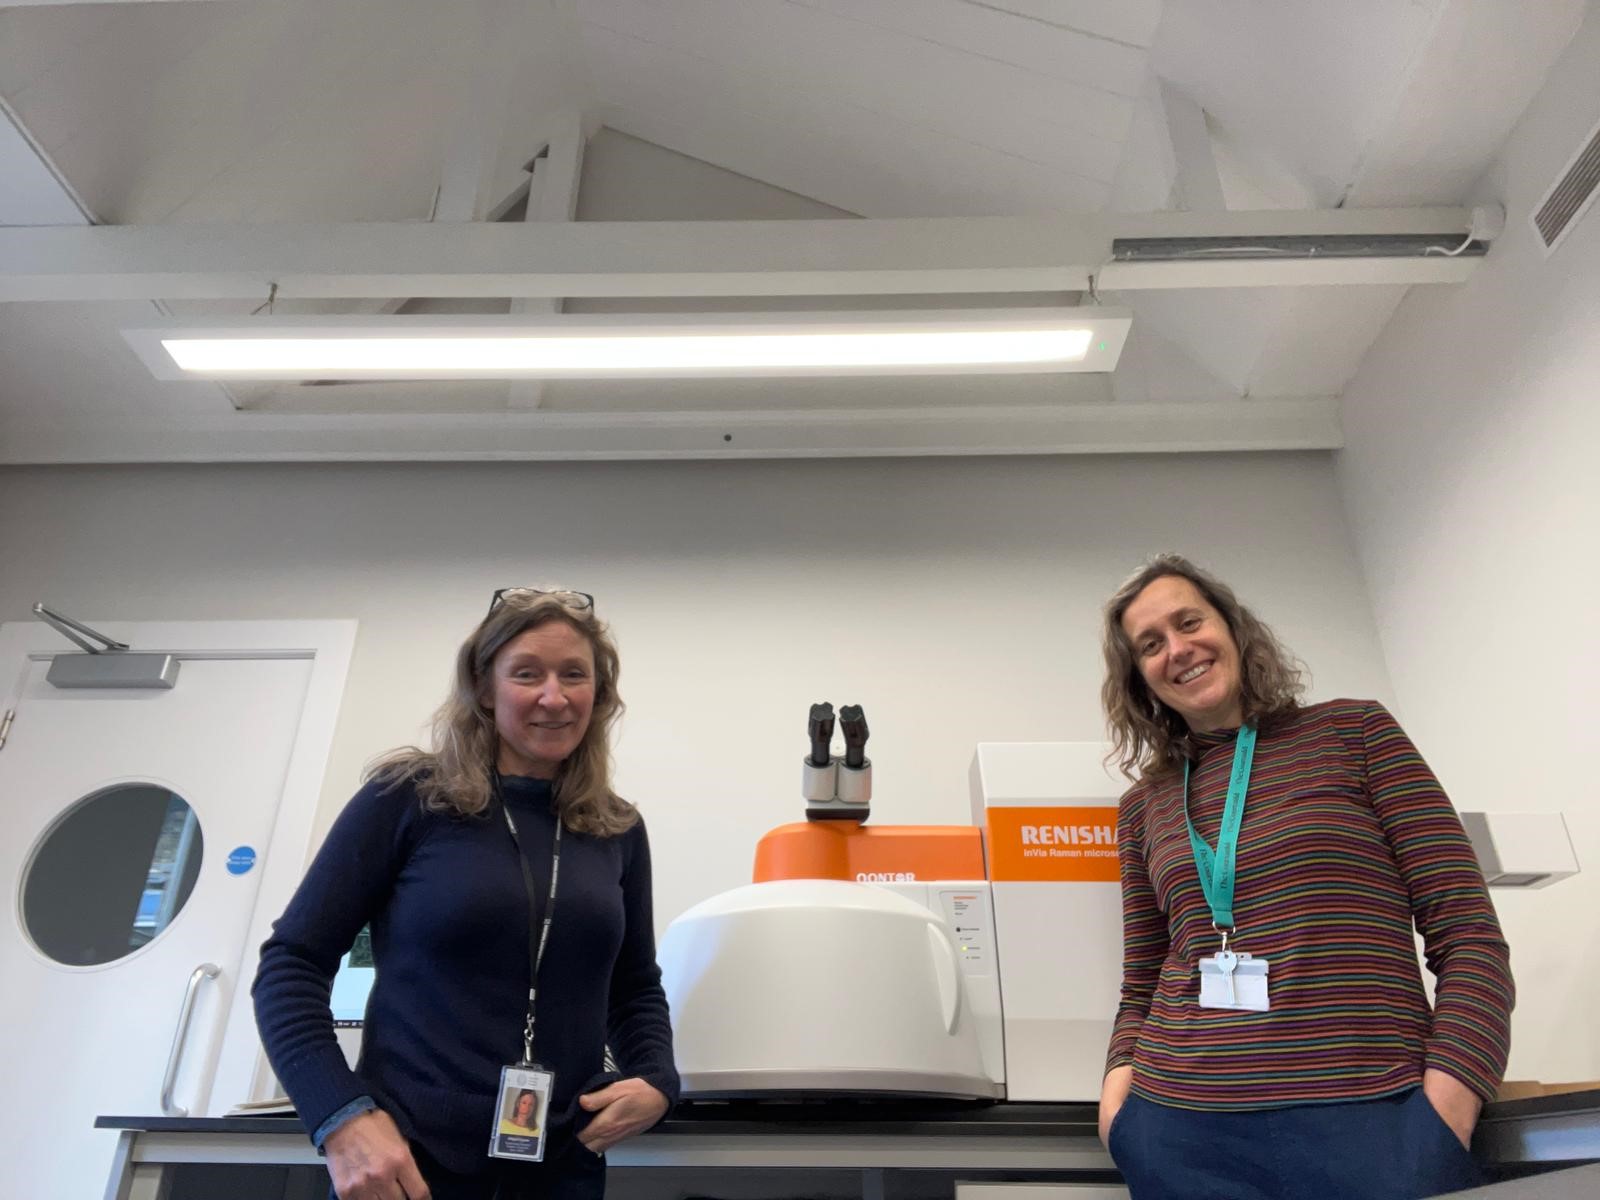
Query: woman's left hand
[621,1110]
[1457,1104]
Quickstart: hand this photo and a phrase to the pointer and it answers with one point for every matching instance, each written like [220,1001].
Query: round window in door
[111,874]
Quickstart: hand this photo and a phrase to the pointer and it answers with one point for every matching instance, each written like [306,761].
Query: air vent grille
[1571,194]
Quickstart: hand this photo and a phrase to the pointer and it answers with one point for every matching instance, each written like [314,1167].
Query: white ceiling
[326,111]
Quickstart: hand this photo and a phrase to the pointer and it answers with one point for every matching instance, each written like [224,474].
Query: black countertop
[845,1116]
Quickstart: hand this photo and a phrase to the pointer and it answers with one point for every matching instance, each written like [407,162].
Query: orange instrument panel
[869,853]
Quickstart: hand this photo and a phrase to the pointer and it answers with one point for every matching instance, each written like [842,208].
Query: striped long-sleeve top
[1347,839]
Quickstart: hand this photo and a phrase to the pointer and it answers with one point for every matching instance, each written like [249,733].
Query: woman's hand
[370,1160]
[621,1110]
[1113,1094]
[1458,1105]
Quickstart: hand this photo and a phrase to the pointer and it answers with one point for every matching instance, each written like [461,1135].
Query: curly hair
[1148,738]
[456,776]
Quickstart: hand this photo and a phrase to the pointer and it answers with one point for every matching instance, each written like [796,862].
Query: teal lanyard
[1216,867]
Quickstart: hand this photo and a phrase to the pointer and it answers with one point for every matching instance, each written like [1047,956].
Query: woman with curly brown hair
[1274,1039]
[508,892]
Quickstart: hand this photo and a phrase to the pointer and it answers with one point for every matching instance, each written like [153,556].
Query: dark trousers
[574,1175]
[1396,1148]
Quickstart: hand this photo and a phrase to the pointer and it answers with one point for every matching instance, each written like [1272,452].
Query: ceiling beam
[473,140]
[687,258]
[560,170]
[528,436]
[1198,185]
[552,196]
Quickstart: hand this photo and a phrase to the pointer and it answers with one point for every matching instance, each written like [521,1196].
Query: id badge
[521,1112]
[1240,985]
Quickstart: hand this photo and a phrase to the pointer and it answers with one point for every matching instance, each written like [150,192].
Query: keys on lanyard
[1226,962]
[1230,979]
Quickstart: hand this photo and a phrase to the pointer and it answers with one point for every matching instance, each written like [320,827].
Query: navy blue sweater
[449,914]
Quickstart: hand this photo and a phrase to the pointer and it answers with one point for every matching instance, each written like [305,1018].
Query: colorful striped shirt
[1347,838]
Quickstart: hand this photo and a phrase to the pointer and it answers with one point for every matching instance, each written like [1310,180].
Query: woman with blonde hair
[507,887]
[1274,1040]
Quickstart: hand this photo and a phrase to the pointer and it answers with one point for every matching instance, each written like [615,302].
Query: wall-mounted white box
[1521,850]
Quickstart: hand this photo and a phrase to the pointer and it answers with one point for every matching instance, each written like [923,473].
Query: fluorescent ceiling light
[675,345]
[477,355]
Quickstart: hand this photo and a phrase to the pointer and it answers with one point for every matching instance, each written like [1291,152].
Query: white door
[137,829]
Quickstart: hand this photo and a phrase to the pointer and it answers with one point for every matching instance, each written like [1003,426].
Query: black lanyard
[536,944]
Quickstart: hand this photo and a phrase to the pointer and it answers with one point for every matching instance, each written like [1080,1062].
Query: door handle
[203,971]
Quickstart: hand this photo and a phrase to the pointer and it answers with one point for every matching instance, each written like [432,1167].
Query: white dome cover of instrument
[820,986]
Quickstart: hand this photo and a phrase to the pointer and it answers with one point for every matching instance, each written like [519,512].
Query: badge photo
[520,1114]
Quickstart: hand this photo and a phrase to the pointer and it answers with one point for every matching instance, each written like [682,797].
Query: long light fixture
[611,346]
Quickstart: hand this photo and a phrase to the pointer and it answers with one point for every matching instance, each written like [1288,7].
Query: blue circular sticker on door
[241,860]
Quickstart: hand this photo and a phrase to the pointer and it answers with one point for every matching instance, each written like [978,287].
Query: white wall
[957,600]
[1474,498]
